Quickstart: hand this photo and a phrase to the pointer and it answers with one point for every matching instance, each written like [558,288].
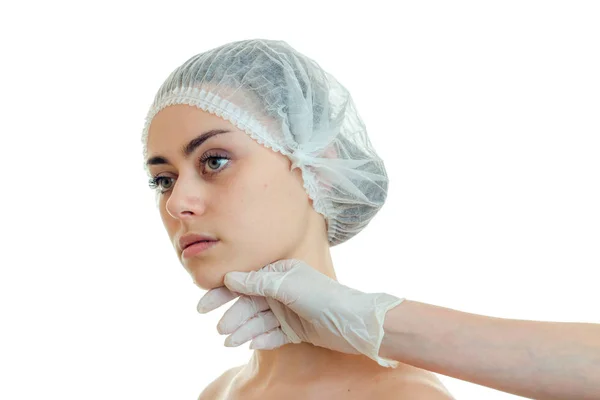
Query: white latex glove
[288,301]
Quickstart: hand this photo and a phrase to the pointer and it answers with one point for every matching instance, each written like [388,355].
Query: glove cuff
[384,303]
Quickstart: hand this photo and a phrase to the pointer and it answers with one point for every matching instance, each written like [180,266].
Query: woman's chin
[205,282]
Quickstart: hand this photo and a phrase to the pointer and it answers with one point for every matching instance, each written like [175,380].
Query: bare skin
[535,359]
[260,213]
[351,380]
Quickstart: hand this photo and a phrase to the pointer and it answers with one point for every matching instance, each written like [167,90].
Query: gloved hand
[288,301]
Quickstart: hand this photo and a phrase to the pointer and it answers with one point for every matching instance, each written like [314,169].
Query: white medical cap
[288,103]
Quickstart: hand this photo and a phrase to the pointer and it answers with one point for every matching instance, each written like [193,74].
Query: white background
[485,113]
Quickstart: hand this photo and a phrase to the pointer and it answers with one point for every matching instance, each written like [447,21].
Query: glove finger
[215,298]
[270,340]
[241,311]
[263,322]
[263,282]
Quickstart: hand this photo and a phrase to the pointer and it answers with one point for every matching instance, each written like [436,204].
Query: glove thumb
[264,282]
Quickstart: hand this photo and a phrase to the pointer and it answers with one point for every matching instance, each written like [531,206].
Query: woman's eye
[155,183]
[210,162]
[214,163]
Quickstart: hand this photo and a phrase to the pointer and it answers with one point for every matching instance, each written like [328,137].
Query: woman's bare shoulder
[414,382]
[215,390]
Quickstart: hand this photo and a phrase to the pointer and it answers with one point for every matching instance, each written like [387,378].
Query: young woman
[256,155]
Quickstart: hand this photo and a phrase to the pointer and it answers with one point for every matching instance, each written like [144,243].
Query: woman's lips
[198,248]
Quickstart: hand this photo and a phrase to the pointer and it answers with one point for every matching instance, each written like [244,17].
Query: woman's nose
[187,199]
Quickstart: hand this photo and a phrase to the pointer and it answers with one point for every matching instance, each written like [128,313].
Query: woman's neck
[300,362]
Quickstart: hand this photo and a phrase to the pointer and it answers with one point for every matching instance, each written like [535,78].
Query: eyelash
[153,183]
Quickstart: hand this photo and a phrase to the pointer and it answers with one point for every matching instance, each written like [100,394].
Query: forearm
[534,359]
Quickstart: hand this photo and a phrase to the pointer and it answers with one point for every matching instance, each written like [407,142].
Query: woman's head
[229,187]
[290,110]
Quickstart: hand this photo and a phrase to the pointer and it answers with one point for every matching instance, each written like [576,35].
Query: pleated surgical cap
[288,103]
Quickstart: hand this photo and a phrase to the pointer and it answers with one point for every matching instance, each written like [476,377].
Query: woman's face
[229,187]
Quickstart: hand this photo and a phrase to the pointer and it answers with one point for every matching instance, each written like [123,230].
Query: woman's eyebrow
[188,148]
